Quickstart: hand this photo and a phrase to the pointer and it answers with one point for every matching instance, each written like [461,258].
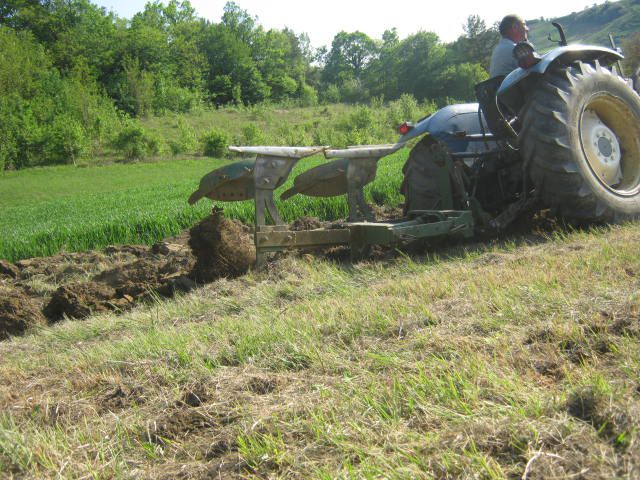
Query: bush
[215,144]
[252,134]
[135,143]
[66,141]
[331,94]
[353,91]
[186,140]
[170,97]
[308,96]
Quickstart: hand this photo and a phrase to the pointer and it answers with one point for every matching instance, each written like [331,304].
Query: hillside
[592,25]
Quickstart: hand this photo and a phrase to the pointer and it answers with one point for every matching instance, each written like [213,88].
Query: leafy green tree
[459,81]
[476,44]
[231,68]
[239,22]
[382,74]
[350,54]
[421,58]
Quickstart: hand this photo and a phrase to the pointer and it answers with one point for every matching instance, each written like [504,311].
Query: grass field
[506,361]
[517,358]
[46,210]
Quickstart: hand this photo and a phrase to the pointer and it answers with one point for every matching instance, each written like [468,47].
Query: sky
[321,20]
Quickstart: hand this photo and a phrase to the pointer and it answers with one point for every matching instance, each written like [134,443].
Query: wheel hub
[602,148]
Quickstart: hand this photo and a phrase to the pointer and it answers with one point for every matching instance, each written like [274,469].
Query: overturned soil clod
[18,313]
[80,300]
[77,285]
[222,247]
[8,269]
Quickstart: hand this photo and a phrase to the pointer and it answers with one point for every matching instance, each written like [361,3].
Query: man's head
[514,28]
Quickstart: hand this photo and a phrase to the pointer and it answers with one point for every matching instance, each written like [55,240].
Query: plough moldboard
[348,172]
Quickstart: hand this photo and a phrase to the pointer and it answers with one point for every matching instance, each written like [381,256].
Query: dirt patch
[79,300]
[179,423]
[122,397]
[386,212]
[77,285]
[8,269]
[306,223]
[18,313]
[612,422]
[139,278]
[222,247]
[261,385]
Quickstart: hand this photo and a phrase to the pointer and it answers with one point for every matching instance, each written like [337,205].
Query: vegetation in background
[63,208]
[215,143]
[49,209]
[592,25]
[73,76]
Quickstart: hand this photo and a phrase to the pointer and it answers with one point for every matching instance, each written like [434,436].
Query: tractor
[561,132]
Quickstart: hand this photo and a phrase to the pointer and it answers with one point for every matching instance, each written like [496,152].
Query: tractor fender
[456,126]
[566,55]
[441,122]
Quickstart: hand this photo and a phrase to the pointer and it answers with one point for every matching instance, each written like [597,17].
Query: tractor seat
[486,94]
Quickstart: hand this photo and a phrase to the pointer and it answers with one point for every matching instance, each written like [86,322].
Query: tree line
[167,58]
[72,74]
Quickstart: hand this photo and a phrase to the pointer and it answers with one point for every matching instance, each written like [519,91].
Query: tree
[421,59]
[239,22]
[460,80]
[382,75]
[476,44]
[232,73]
[350,54]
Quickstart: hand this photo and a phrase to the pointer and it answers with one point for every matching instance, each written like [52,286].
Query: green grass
[46,210]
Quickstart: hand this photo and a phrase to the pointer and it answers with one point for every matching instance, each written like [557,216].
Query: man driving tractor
[513,30]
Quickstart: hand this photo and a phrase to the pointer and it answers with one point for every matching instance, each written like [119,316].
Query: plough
[573,147]
[348,172]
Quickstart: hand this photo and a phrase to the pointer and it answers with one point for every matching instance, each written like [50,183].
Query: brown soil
[306,223]
[8,269]
[222,247]
[77,285]
[79,300]
[18,313]
[121,397]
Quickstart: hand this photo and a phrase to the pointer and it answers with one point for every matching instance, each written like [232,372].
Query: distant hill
[591,25]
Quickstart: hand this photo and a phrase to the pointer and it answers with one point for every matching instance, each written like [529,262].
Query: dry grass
[482,361]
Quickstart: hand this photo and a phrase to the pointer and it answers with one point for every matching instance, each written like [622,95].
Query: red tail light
[405,128]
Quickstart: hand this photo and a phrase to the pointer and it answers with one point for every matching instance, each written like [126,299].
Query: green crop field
[50,209]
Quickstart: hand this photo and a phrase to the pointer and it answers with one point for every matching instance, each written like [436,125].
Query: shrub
[353,91]
[252,134]
[170,97]
[331,94]
[134,142]
[308,96]
[186,140]
[65,141]
[215,143]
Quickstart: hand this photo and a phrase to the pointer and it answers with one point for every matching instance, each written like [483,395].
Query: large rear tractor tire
[422,175]
[580,139]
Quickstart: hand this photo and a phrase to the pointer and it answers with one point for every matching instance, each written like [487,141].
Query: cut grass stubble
[487,362]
